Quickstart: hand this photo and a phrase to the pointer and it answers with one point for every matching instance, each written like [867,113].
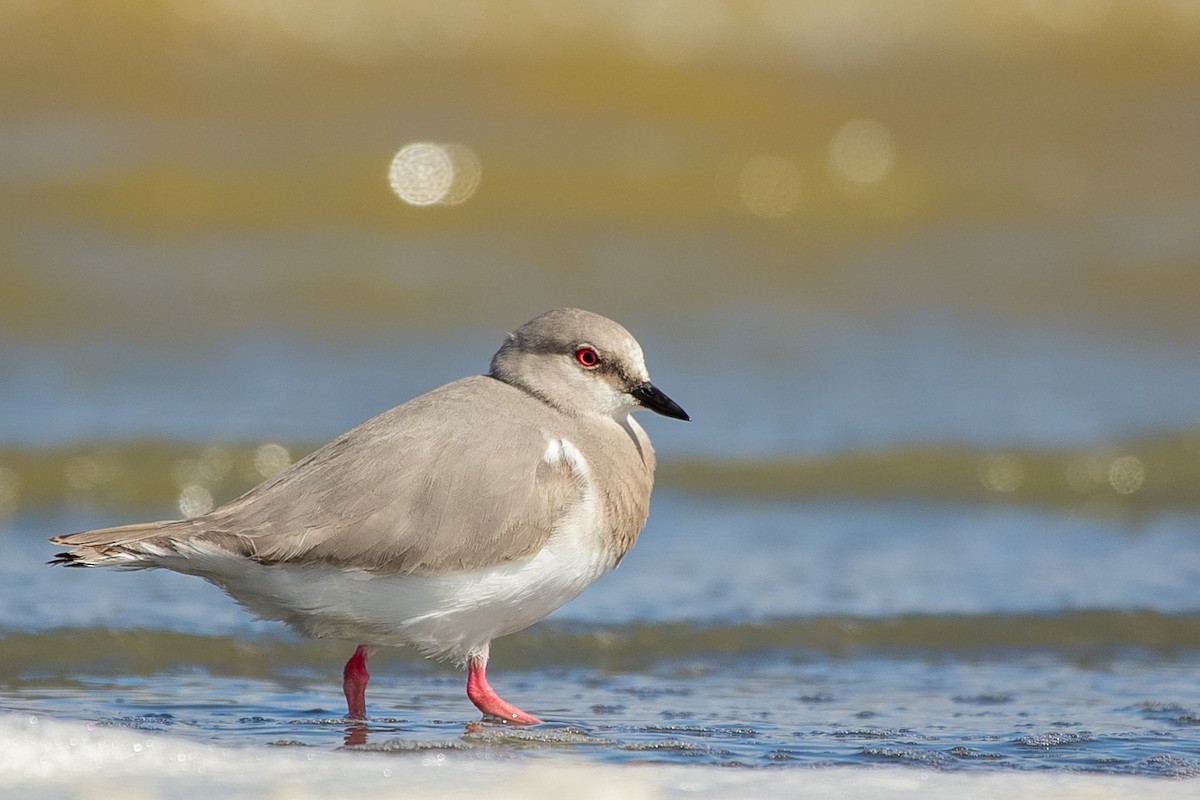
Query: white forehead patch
[633,353]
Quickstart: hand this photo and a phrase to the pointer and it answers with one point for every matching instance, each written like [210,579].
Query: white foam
[44,758]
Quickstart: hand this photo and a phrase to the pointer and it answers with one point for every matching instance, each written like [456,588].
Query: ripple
[1046,741]
[970,753]
[1170,766]
[984,699]
[872,733]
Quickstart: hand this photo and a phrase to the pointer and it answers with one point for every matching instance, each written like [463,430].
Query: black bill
[649,395]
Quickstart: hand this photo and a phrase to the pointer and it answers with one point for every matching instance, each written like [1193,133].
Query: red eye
[587,357]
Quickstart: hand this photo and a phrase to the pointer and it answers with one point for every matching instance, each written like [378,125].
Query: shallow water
[933,527]
[1010,709]
[940,630]
[735,634]
[759,381]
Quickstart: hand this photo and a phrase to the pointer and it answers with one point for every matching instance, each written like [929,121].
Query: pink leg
[485,698]
[354,683]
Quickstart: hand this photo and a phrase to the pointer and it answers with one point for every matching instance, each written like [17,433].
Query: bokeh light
[270,458]
[212,466]
[214,463]
[861,154]
[428,173]
[1126,474]
[1002,473]
[467,172]
[195,500]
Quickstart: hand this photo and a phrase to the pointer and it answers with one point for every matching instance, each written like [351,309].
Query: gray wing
[452,480]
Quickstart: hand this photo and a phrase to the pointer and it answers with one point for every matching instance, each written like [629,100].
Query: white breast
[450,615]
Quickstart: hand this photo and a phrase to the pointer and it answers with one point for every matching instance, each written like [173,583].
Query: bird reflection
[356,735]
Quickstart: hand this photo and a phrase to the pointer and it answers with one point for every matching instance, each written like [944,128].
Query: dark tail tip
[66,559]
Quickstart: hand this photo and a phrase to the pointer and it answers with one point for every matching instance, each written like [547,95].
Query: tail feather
[131,546]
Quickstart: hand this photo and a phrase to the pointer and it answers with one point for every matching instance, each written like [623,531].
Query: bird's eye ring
[587,357]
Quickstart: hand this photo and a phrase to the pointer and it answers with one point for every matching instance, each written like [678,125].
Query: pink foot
[354,683]
[486,700]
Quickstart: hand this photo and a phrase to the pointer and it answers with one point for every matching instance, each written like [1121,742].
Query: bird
[460,516]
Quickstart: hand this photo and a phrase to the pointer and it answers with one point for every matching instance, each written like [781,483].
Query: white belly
[451,615]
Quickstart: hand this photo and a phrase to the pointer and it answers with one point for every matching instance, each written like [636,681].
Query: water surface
[923,274]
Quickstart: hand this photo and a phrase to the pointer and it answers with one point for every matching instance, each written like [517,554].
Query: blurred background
[935,249]
[925,273]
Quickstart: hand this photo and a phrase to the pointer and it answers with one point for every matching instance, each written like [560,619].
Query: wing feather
[443,482]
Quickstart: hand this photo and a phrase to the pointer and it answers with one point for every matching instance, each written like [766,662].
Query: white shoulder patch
[561,451]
